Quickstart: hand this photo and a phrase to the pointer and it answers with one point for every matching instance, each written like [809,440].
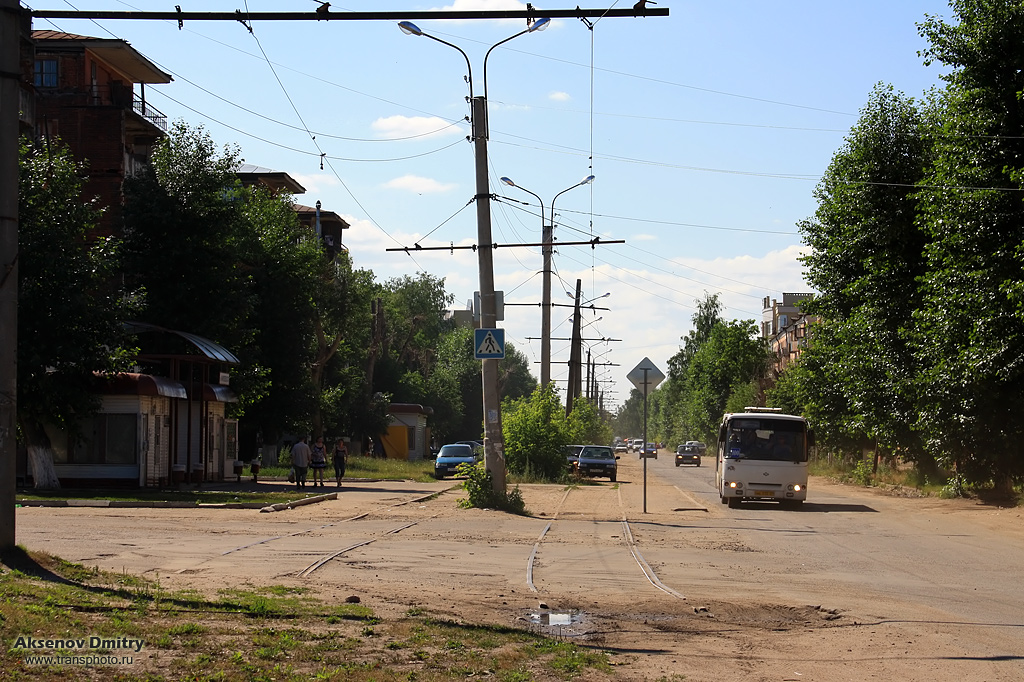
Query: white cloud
[399,127]
[414,183]
[559,96]
[643,237]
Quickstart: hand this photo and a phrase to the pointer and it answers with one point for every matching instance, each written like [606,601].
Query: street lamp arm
[508,181]
[414,30]
[585,181]
[538,25]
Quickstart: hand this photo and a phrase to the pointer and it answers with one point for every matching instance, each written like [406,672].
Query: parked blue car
[449,457]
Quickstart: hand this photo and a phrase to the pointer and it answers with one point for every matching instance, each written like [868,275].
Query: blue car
[449,457]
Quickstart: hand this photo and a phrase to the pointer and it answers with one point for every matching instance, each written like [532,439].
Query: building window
[46,73]
[108,439]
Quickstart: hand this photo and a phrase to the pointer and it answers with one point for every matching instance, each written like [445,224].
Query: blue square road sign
[488,344]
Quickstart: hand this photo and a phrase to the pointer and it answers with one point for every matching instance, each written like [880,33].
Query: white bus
[762,455]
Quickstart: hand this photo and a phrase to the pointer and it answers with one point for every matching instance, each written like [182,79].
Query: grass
[279,632]
[369,467]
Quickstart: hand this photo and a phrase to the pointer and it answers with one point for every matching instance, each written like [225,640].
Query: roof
[209,349]
[251,174]
[114,51]
[139,384]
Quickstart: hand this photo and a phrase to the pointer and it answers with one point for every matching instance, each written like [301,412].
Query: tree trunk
[40,457]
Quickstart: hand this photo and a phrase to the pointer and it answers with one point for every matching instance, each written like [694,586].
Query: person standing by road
[300,461]
[318,461]
[340,459]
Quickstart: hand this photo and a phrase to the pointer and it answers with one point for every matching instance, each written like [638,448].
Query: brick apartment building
[785,327]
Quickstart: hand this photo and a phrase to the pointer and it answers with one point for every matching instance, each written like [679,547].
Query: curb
[281,506]
[119,504]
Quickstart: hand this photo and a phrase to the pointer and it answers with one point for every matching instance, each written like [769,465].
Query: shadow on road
[811,507]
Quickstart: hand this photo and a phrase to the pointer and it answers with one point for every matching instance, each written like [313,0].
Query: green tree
[731,358]
[535,433]
[70,306]
[676,393]
[866,244]
[972,326]
[629,419]
[584,425]
[184,235]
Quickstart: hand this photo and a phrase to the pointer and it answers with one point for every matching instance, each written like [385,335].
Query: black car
[688,453]
[596,460]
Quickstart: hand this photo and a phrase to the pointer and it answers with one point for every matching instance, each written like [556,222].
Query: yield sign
[645,376]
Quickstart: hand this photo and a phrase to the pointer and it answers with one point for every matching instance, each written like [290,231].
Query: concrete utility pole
[494,455]
[547,247]
[573,390]
[10,42]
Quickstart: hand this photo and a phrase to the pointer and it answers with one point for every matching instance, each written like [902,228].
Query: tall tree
[731,358]
[674,396]
[865,245]
[972,341]
[69,301]
[184,234]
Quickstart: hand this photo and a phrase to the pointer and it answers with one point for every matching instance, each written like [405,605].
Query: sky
[706,132]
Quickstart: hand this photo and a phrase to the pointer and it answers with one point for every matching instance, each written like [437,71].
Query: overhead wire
[304,151]
[312,137]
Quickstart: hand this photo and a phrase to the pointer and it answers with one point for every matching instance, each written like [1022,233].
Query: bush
[862,473]
[480,485]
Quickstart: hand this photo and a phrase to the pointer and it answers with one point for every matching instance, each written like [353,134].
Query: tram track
[627,536]
[324,558]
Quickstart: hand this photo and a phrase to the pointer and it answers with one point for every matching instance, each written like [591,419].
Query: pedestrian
[318,461]
[300,460]
[340,459]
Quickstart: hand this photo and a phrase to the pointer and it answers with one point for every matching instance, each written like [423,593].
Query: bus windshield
[764,438]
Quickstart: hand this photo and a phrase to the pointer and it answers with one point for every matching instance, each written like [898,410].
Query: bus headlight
[732,484]
[797,487]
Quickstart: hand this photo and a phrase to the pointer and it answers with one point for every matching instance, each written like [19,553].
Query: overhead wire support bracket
[243,21]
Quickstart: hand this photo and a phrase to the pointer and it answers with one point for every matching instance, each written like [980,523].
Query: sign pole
[643,449]
[644,377]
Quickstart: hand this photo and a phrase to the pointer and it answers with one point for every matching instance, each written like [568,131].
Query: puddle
[559,623]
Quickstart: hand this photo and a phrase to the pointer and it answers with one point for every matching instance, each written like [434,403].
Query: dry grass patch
[247,633]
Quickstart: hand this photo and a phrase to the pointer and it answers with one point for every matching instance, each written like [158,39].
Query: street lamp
[547,237]
[494,457]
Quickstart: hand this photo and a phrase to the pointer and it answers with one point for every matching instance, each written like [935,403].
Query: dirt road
[856,586]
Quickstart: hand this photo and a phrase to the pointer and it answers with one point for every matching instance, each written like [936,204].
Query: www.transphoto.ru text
[86,659]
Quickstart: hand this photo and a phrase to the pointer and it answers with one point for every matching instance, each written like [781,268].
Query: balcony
[149,112]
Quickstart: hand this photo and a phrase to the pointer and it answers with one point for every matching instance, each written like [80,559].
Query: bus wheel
[724,500]
[733,502]
[794,505]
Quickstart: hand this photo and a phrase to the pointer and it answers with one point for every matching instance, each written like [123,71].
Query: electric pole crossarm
[351,16]
[593,242]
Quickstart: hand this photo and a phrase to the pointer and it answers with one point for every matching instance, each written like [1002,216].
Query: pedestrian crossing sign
[489,344]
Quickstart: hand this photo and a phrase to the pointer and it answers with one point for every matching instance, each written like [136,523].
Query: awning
[216,393]
[139,384]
